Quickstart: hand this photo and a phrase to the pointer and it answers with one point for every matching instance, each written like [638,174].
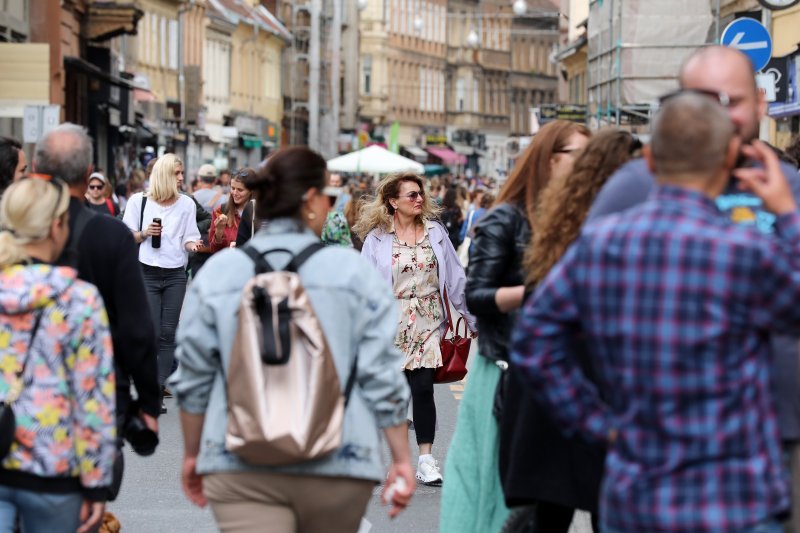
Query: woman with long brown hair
[225,219]
[547,475]
[473,499]
[413,254]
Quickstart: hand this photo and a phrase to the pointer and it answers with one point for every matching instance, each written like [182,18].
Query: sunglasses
[720,97]
[55,182]
[414,195]
[95,187]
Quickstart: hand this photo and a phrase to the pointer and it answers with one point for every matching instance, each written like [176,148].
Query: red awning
[447,156]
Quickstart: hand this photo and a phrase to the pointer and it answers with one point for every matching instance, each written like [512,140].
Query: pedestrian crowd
[633,305]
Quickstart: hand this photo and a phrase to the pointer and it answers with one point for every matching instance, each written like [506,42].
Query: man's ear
[647,153]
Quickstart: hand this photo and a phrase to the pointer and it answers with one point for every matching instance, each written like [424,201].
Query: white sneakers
[428,471]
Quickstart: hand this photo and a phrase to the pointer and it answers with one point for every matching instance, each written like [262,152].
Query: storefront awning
[416,152]
[447,156]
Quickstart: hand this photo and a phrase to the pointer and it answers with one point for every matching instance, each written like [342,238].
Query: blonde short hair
[27,210]
[163,185]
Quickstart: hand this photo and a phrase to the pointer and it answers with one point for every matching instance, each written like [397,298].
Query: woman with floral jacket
[56,371]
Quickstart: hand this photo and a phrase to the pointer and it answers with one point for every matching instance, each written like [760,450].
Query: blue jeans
[166,288]
[39,511]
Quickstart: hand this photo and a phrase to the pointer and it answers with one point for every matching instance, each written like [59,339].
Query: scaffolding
[636,48]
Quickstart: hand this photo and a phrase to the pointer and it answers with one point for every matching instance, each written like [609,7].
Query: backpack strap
[298,260]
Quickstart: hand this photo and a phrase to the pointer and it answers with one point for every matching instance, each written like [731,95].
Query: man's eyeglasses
[414,195]
[96,187]
[720,97]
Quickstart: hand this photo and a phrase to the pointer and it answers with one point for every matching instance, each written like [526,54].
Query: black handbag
[8,421]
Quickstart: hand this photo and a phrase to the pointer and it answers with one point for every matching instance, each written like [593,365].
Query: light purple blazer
[378,250]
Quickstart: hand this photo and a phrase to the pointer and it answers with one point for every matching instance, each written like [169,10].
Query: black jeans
[421,383]
[166,288]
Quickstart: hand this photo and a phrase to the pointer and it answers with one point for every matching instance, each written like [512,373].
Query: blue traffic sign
[752,38]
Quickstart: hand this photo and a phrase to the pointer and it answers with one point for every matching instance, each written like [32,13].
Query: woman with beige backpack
[264,485]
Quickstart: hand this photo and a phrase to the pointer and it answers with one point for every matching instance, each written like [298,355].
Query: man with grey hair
[674,304]
[726,75]
[102,249]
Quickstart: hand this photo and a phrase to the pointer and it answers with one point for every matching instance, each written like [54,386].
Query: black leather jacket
[501,237]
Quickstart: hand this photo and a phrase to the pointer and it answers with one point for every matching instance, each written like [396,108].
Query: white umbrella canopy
[374,160]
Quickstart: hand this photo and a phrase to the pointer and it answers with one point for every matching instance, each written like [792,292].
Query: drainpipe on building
[314,77]
[766,122]
[330,150]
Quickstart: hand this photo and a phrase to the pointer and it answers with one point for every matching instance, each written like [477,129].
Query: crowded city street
[400,266]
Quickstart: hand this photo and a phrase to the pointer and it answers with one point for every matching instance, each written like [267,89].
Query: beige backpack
[285,402]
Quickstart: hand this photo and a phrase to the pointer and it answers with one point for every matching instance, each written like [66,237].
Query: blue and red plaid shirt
[676,305]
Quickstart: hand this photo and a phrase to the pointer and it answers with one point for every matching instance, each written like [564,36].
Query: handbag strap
[36,321]
[447,313]
[462,320]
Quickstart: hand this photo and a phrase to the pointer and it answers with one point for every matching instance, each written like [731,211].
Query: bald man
[673,303]
[718,69]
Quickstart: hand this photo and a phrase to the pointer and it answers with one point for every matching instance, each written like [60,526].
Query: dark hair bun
[279,185]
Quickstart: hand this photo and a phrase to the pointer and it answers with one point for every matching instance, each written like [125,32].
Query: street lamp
[520,7]
[418,24]
[361,4]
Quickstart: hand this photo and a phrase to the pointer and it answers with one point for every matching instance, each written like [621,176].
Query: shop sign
[571,112]
[432,140]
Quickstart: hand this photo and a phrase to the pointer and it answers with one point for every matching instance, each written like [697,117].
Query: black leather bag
[8,421]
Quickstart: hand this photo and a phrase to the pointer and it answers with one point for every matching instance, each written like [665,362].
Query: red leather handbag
[455,350]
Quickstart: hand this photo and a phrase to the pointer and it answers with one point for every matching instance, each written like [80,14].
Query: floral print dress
[416,286]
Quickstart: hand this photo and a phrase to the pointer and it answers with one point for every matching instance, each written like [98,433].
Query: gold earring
[312,216]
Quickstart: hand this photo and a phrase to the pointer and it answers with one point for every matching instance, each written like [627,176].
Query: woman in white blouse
[164,267]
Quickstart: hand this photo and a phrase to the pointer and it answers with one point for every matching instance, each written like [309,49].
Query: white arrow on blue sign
[752,38]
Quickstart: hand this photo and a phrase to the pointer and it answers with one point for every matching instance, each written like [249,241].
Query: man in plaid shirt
[676,305]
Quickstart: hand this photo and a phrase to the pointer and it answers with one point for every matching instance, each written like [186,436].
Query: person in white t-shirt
[164,266]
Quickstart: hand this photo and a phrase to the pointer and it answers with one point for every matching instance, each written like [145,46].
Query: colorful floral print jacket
[65,436]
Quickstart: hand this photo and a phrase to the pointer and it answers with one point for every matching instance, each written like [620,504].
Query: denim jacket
[358,314]
[378,250]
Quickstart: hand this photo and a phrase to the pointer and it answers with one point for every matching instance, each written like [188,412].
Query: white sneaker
[428,473]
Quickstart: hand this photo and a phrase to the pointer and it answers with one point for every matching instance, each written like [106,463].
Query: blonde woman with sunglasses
[413,253]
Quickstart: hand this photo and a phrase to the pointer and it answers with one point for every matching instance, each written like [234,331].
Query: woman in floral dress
[413,252]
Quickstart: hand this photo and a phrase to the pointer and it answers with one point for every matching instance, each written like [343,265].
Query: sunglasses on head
[720,97]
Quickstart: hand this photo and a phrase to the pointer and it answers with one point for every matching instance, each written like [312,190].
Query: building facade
[218,49]
[251,127]
[87,78]
[404,70]
[534,39]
